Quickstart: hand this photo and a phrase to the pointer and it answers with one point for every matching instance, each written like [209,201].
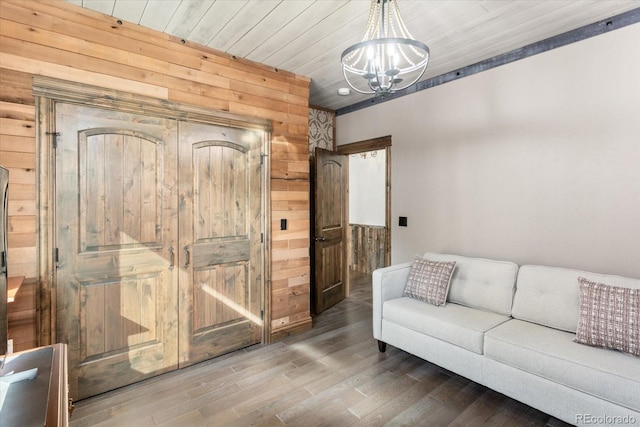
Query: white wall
[367,189]
[537,161]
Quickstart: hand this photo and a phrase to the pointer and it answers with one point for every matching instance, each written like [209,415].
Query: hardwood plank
[27,269]
[21,179]
[15,111]
[16,95]
[35,66]
[22,224]
[21,192]
[21,254]
[13,286]
[15,79]
[367,248]
[22,328]
[399,409]
[19,160]
[15,89]
[20,128]
[23,335]
[21,240]
[22,207]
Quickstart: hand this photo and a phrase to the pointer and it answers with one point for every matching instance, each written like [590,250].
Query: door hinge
[56,257]
[262,156]
[262,314]
[54,140]
[261,237]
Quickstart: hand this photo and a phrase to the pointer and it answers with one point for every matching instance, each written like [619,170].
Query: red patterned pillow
[609,317]
[429,280]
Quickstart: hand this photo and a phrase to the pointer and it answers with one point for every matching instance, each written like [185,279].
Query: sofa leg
[382,346]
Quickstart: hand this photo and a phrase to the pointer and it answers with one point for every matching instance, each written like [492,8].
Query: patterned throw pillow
[429,280]
[609,317]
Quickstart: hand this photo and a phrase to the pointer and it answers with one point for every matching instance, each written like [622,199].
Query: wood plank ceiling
[307,36]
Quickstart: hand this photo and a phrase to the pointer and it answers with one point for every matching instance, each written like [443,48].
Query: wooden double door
[159,253]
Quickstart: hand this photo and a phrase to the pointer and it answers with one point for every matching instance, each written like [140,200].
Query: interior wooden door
[221,249]
[330,229]
[116,237]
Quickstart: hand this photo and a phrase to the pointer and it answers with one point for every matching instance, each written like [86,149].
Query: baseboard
[291,329]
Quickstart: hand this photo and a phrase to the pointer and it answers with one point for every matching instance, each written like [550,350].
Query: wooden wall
[60,40]
[21,314]
[368,246]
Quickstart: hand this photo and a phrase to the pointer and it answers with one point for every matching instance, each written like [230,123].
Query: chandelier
[388,58]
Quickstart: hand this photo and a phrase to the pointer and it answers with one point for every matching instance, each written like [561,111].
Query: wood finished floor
[332,375]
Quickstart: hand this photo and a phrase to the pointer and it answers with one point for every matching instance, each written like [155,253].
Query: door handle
[187,256]
[172,258]
[320,239]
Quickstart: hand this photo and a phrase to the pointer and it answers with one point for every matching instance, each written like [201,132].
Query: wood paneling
[368,245]
[17,153]
[22,312]
[58,39]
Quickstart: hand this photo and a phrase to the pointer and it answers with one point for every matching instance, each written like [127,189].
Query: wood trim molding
[45,197]
[291,329]
[266,246]
[387,202]
[80,93]
[367,145]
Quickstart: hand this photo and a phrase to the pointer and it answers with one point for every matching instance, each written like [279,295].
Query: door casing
[381,143]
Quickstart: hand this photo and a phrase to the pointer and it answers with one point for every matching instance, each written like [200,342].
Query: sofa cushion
[549,295]
[552,354]
[453,323]
[609,317]
[480,283]
[429,280]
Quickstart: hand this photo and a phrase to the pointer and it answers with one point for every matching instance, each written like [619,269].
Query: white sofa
[511,329]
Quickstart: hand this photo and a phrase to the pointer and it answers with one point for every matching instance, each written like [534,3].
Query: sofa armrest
[388,283]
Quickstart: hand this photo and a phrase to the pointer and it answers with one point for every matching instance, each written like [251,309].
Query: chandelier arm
[414,81]
[344,72]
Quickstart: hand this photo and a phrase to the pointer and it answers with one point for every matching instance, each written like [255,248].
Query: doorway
[369,205]
[367,211]
[332,237]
